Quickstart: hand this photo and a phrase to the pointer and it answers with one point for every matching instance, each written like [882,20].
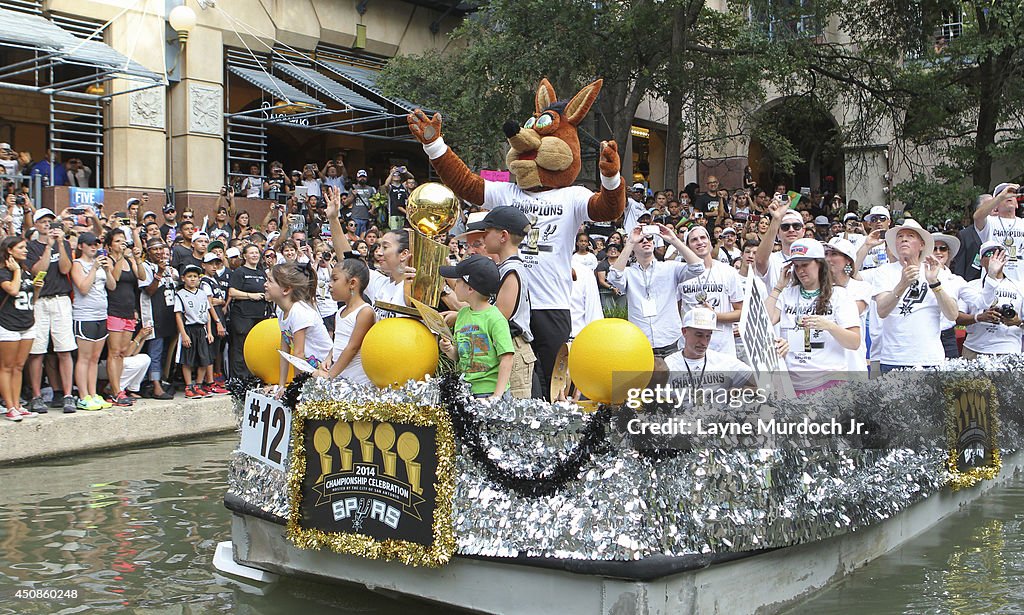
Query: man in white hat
[911,300]
[994,327]
[788,225]
[635,206]
[698,367]
[996,219]
[872,251]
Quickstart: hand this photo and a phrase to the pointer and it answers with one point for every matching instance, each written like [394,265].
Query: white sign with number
[266,430]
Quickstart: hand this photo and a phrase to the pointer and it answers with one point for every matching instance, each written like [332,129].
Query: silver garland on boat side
[627,503]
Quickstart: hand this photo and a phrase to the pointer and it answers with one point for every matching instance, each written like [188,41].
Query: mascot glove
[435,149]
[609,183]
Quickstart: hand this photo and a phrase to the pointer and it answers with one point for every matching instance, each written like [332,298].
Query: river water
[135,531]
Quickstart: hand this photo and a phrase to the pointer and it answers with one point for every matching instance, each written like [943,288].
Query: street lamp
[182,19]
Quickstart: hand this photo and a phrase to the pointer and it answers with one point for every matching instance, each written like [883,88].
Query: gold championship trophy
[432,210]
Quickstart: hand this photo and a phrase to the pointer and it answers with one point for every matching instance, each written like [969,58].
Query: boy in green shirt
[483,344]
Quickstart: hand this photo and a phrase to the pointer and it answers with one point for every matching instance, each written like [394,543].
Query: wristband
[975,319]
[935,285]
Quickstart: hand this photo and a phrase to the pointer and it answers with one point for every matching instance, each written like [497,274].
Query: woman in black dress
[17,323]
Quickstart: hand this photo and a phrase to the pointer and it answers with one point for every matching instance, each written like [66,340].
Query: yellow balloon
[605,376]
[396,350]
[260,351]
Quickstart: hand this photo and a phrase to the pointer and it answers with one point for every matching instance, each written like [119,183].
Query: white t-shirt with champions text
[815,357]
[719,287]
[556,216]
[1009,233]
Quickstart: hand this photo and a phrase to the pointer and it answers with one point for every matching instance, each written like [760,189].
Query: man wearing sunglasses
[996,220]
[995,325]
[651,286]
[786,224]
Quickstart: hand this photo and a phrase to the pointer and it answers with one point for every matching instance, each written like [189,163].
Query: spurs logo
[550,230]
[357,519]
[915,295]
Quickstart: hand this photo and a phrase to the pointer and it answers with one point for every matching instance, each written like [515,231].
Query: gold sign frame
[410,553]
[972,401]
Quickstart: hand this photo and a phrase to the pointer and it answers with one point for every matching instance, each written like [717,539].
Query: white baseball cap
[806,249]
[42,213]
[850,216]
[233,252]
[639,186]
[844,247]
[989,245]
[700,318]
[794,215]
[878,210]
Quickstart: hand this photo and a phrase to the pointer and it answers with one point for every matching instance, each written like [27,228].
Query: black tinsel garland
[544,483]
[240,386]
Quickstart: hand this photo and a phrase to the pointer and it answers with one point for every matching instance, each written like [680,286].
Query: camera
[19,200]
[1006,311]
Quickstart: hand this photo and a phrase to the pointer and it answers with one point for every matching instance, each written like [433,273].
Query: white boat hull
[760,583]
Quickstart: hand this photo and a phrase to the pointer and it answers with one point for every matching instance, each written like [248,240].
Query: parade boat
[524,506]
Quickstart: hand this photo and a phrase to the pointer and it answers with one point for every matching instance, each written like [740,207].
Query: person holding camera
[334,175]
[358,201]
[996,327]
[49,255]
[278,183]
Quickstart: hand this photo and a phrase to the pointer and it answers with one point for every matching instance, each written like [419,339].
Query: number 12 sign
[266,430]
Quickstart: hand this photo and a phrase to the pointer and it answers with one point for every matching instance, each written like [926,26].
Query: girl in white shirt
[817,317]
[348,282]
[842,258]
[303,334]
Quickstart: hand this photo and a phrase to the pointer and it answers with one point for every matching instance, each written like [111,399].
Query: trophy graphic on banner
[432,210]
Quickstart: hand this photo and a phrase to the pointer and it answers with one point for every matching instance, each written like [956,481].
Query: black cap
[191,269]
[478,271]
[509,219]
[168,208]
[87,238]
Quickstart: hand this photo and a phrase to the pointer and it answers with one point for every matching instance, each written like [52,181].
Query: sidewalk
[56,434]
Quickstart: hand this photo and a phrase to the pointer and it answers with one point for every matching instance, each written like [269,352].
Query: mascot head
[545,150]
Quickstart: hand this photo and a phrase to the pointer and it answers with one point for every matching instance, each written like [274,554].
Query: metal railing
[35,185]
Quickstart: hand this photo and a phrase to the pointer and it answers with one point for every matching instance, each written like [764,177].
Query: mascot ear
[580,104]
[545,95]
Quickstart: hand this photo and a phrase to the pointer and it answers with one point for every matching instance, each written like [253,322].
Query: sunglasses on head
[791,226]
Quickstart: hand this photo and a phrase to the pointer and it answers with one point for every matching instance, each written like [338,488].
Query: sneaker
[13,415]
[218,378]
[193,392]
[164,395]
[27,414]
[102,403]
[69,404]
[216,389]
[88,403]
[37,405]
[122,400]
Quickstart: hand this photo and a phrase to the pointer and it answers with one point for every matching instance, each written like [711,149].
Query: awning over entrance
[329,88]
[275,87]
[367,80]
[50,47]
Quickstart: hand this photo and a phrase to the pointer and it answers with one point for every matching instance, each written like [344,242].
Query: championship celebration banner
[373,481]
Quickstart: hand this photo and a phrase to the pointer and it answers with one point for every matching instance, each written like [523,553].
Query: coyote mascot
[545,158]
